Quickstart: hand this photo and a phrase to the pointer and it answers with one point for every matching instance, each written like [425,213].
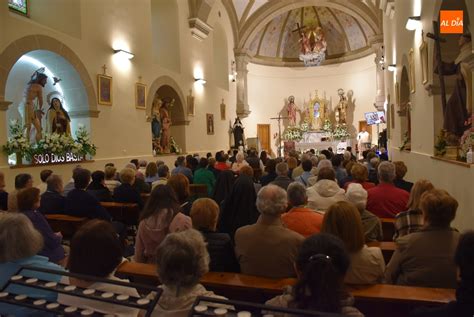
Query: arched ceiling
[263,28]
[346,36]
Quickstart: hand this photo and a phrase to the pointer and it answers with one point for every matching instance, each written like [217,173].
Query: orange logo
[451,21]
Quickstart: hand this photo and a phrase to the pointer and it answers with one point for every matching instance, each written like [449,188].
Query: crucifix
[104,69]
[299,28]
[279,118]
[438,40]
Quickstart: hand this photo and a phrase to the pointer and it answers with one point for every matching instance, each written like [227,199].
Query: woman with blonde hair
[367,263]
[204,215]
[412,220]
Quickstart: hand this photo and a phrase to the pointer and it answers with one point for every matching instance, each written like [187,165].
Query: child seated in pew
[321,265]
[182,260]
[96,251]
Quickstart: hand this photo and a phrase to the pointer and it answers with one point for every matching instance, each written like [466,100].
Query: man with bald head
[267,248]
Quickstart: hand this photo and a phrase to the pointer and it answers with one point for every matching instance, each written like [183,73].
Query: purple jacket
[52,243]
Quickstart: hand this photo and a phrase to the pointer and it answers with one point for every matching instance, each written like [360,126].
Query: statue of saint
[291,109]
[165,125]
[341,109]
[33,113]
[156,123]
[58,118]
[238,131]
[458,109]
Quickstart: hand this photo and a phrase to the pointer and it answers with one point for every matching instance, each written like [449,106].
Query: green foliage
[440,145]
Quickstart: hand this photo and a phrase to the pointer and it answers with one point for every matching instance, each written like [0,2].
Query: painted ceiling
[346,36]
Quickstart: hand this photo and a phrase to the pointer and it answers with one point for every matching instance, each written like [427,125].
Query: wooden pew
[372,300]
[387,248]
[198,191]
[388,228]
[123,212]
[67,225]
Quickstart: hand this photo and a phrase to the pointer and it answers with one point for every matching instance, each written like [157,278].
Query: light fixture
[392,67]
[124,54]
[413,22]
[200,81]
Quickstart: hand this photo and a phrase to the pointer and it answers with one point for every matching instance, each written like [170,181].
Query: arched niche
[165,34]
[405,109]
[167,88]
[39,46]
[70,87]
[221,59]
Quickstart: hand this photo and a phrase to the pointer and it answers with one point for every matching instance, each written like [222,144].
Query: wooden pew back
[65,224]
[123,212]
[372,300]
[198,191]
[388,248]
[388,228]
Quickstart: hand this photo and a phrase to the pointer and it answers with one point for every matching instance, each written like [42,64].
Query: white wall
[269,88]
[456,179]
[121,132]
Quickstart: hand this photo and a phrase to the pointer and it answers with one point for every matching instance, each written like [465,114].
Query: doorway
[263,134]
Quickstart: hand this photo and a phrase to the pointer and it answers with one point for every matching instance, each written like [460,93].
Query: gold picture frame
[424,61]
[210,123]
[222,110]
[411,70]
[140,96]
[104,90]
[190,102]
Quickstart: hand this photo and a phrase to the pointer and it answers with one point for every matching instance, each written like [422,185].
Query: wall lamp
[200,81]
[413,22]
[124,54]
[392,67]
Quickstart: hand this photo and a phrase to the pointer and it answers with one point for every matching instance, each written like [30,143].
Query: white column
[376,42]
[241,61]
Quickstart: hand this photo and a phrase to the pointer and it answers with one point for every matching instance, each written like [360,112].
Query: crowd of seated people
[308,217]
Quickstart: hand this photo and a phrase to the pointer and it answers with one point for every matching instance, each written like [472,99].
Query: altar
[320,140]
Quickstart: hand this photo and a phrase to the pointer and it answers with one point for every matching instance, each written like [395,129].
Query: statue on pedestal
[156,123]
[238,131]
[165,125]
[34,112]
[341,109]
[291,109]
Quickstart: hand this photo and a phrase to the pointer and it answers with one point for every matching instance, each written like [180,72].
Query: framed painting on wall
[190,102]
[411,70]
[140,96]
[104,90]
[210,123]
[222,110]
[424,61]
[19,6]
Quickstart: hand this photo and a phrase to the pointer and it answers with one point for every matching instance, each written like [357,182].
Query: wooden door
[263,134]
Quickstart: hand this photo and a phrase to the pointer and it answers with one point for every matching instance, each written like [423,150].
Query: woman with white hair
[239,162]
[371,224]
[182,260]
[20,243]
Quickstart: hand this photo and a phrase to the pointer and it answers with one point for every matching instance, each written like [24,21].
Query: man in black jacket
[52,201]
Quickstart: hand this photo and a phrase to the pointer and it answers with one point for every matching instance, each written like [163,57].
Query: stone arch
[181,112]
[30,43]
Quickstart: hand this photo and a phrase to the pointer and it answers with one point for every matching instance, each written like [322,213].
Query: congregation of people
[306,216]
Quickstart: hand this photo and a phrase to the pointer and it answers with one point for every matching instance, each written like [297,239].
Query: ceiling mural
[345,35]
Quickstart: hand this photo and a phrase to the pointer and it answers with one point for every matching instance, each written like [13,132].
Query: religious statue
[291,109]
[458,109]
[341,109]
[156,122]
[313,45]
[238,131]
[165,125]
[57,117]
[34,113]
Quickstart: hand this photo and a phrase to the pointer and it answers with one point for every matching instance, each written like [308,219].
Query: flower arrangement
[440,145]
[293,134]
[17,143]
[327,126]
[58,144]
[340,132]
[406,142]
[83,143]
[467,141]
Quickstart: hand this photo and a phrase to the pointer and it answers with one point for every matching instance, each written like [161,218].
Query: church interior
[260,116]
